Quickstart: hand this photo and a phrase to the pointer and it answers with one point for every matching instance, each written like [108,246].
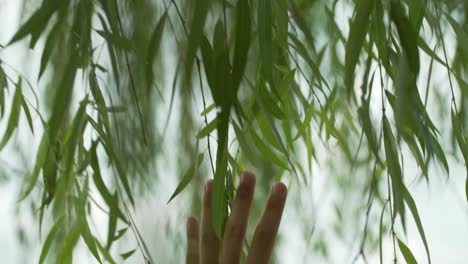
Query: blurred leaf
[461,34]
[408,36]
[128,254]
[27,113]
[65,254]
[241,48]
[185,180]
[356,38]
[208,109]
[37,22]
[153,48]
[409,258]
[265,150]
[14,115]
[200,11]
[265,38]
[3,87]
[112,53]
[100,185]
[40,161]
[207,129]
[394,168]
[414,211]
[50,238]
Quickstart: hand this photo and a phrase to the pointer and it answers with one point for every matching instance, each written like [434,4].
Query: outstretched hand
[203,246]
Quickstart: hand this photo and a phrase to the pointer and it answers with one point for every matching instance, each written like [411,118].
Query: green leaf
[208,129]
[50,239]
[466,188]
[24,104]
[112,53]
[265,150]
[196,33]
[37,22]
[50,43]
[241,48]
[381,231]
[208,109]
[65,253]
[3,87]
[409,258]
[90,241]
[105,253]
[14,115]
[408,35]
[112,224]
[116,39]
[187,177]
[414,211]
[40,161]
[357,35]
[461,34]
[219,196]
[153,48]
[100,185]
[265,38]
[304,125]
[394,168]
[126,255]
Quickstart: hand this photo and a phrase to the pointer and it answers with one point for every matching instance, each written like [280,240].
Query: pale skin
[203,247]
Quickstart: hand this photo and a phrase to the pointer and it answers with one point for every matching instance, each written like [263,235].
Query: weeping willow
[271,85]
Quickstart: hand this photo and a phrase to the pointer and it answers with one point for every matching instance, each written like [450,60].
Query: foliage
[275,79]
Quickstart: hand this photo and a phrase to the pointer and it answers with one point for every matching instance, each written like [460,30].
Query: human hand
[203,246]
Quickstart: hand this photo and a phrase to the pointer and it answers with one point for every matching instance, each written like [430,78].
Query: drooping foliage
[280,85]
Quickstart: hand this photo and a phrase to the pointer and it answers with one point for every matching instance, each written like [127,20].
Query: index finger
[265,233]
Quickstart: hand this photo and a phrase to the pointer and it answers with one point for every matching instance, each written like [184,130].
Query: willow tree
[272,85]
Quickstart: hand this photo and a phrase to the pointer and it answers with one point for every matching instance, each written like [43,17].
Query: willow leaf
[40,161]
[14,115]
[357,35]
[414,211]
[153,48]
[407,34]
[127,254]
[188,176]
[241,48]
[65,253]
[394,168]
[100,185]
[407,254]
[210,127]
[50,239]
[265,38]
[196,33]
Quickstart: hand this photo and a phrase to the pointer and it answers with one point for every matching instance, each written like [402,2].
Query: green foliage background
[275,86]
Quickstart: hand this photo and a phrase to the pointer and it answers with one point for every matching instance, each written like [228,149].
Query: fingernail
[208,186]
[279,189]
[248,178]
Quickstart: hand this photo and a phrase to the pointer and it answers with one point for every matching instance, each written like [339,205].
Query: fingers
[209,247]
[265,233]
[236,226]
[192,256]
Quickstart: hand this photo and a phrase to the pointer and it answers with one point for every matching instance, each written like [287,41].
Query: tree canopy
[284,87]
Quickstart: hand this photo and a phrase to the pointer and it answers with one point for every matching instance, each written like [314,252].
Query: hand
[203,247]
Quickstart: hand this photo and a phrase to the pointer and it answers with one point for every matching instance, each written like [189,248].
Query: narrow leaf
[414,211]
[407,254]
[357,35]
[50,239]
[14,115]
[153,48]
[187,177]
